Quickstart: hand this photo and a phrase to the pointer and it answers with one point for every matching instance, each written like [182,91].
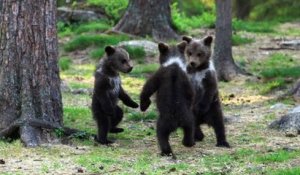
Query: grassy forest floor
[247,102]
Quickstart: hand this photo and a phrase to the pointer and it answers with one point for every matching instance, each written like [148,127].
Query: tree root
[37,123]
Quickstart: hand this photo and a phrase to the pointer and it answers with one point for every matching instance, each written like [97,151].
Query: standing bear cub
[107,91]
[207,106]
[173,98]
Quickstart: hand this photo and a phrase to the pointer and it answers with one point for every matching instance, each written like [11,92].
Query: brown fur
[207,106]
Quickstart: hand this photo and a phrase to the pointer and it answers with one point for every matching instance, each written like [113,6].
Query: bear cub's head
[198,53]
[169,54]
[118,59]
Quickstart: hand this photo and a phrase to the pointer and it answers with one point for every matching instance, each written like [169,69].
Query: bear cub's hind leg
[116,120]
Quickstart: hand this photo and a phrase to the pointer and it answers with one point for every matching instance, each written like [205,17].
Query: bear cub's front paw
[116,130]
[224,144]
[103,141]
[144,106]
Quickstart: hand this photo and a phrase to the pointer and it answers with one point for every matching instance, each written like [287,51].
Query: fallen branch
[276,48]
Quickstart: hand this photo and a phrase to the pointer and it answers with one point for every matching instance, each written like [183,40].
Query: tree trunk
[225,66]
[148,18]
[30,96]
[242,8]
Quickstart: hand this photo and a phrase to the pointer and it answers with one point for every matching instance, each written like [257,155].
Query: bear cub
[174,95]
[107,92]
[207,106]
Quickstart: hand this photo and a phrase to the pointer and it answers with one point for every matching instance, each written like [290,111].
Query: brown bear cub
[207,106]
[173,98]
[107,91]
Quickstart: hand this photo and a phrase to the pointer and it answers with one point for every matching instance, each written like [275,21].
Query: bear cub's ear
[163,47]
[181,46]
[207,40]
[110,50]
[188,39]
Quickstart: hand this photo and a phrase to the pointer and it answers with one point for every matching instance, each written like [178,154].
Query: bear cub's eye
[189,53]
[123,61]
[200,54]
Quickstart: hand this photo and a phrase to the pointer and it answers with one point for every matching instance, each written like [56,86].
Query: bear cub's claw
[116,130]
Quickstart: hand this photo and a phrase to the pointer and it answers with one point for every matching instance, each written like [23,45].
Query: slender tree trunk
[225,66]
[242,8]
[30,94]
[148,18]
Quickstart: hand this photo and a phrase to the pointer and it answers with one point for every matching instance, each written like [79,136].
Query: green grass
[79,116]
[136,53]
[84,41]
[95,26]
[274,71]
[138,116]
[277,156]
[79,85]
[253,26]
[97,54]
[64,63]
[183,23]
[84,71]
[285,171]
[114,9]
[238,40]
[141,69]
[277,65]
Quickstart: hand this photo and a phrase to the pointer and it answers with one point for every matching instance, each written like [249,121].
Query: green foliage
[96,26]
[114,9]
[64,63]
[184,23]
[251,26]
[238,40]
[83,41]
[136,53]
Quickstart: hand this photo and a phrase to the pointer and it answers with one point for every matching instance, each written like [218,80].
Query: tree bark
[29,74]
[223,60]
[148,18]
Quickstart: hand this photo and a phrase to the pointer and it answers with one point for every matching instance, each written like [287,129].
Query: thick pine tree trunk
[148,18]
[30,97]
[225,66]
